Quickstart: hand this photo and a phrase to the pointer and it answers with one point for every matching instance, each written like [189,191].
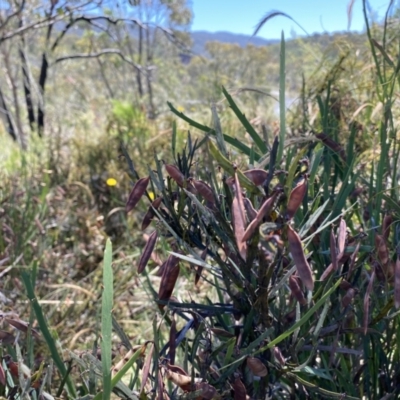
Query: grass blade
[245,122]
[228,139]
[46,332]
[282,103]
[106,320]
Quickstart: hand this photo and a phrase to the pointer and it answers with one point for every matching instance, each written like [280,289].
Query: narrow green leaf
[315,162]
[106,320]
[313,219]
[218,131]
[26,277]
[228,167]
[245,122]
[282,102]
[228,139]
[293,166]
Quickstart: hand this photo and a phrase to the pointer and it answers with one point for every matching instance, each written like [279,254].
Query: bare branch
[99,54]
[45,22]
[12,15]
[91,21]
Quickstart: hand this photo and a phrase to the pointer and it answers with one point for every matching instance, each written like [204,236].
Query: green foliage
[106,320]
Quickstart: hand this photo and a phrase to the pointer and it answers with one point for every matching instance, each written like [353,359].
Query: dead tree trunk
[5,116]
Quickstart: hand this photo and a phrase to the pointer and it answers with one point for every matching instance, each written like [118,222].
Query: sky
[241,16]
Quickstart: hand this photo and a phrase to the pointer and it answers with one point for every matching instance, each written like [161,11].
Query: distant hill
[200,38]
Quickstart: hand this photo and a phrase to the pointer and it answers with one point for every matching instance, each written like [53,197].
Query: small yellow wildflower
[152,195]
[180,108]
[111,182]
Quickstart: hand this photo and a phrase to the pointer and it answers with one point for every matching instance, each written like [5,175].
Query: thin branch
[90,20]
[43,23]
[99,54]
[12,15]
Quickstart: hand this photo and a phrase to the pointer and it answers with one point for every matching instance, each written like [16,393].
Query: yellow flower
[180,108]
[111,182]
[152,195]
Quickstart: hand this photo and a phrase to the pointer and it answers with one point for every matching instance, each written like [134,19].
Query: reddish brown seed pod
[238,218]
[207,391]
[299,258]
[251,212]
[148,249]
[183,381]
[296,290]
[335,147]
[204,190]
[175,174]
[345,285]
[161,270]
[150,213]
[22,326]
[264,210]
[239,389]
[168,279]
[257,176]
[256,366]
[397,283]
[137,192]
[353,260]
[6,338]
[382,250]
[177,369]
[348,297]
[296,198]
[327,272]
[386,224]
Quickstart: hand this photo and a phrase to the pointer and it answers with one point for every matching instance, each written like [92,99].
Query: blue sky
[241,16]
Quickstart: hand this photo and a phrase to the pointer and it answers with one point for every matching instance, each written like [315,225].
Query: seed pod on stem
[238,218]
[148,249]
[136,194]
[204,190]
[150,213]
[175,174]
[169,278]
[299,258]
[296,198]
[296,290]
[257,176]
[387,222]
[382,250]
